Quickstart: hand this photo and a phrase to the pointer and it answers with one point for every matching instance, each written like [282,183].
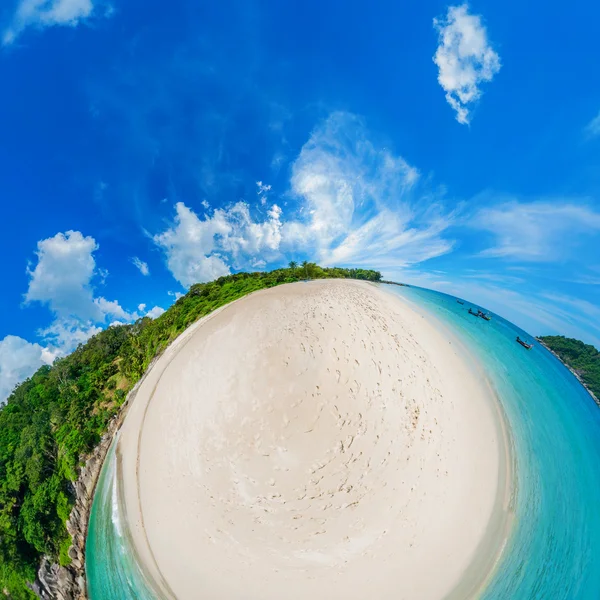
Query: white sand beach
[317,440]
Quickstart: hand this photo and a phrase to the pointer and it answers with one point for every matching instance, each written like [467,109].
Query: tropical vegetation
[52,421]
[584,359]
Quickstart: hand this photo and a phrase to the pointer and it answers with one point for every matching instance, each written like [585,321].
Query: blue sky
[146,147]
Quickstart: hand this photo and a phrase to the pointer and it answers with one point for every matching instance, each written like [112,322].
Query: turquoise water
[112,572]
[554,549]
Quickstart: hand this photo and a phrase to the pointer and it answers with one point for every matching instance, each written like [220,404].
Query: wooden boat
[524,343]
[480,314]
[460,301]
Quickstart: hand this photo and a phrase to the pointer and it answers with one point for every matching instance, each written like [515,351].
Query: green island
[582,359]
[52,421]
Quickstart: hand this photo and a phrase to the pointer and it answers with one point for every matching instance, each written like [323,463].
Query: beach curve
[346,451]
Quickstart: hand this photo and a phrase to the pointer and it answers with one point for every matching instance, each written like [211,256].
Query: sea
[553,548]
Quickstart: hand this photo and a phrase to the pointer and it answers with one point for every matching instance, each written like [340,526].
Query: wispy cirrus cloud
[141,266]
[360,202]
[592,129]
[40,14]
[465,59]
[536,311]
[537,231]
[356,203]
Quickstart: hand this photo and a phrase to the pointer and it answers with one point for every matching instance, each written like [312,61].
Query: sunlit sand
[317,440]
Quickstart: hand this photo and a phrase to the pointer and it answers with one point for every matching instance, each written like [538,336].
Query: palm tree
[305,265]
[293,265]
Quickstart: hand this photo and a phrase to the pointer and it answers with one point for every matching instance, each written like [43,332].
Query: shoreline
[70,582]
[504,490]
[574,373]
[497,537]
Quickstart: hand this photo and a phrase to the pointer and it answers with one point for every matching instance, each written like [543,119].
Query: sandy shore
[317,440]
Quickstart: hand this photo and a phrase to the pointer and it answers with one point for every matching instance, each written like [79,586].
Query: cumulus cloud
[360,202]
[19,360]
[465,59]
[141,265]
[63,279]
[62,276]
[155,312]
[538,231]
[357,203]
[200,250]
[152,313]
[47,13]
[111,308]
[190,246]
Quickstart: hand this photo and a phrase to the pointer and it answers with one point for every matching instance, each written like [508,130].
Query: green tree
[52,421]
[583,358]
[305,267]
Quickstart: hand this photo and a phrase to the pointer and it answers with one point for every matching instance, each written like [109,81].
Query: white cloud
[176,295]
[62,280]
[111,308]
[359,203]
[200,250]
[495,278]
[248,237]
[585,280]
[141,265]
[47,13]
[155,312]
[64,335]
[190,246]
[464,58]
[62,277]
[581,306]
[19,360]
[262,188]
[258,263]
[592,129]
[537,231]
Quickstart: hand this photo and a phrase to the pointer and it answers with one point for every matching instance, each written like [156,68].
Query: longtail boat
[480,314]
[524,343]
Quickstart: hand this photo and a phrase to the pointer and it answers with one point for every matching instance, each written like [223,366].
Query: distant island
[582,359]
[54,422]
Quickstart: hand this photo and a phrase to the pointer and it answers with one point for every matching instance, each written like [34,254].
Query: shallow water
[554,547]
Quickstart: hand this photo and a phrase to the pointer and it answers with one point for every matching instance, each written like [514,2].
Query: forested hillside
[584,359]
[53,420]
